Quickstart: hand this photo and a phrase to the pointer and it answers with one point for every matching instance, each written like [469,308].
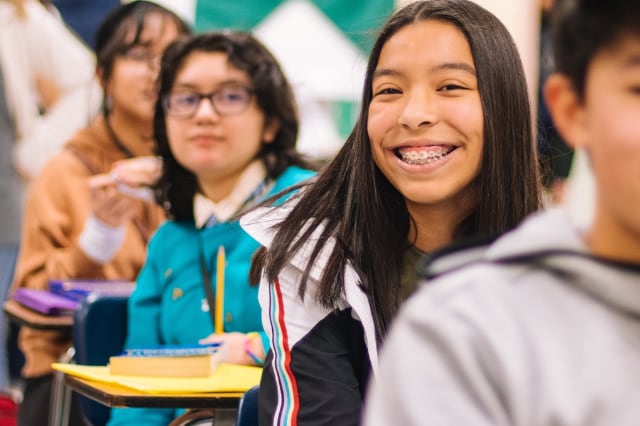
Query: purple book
[45,302]
[79,289]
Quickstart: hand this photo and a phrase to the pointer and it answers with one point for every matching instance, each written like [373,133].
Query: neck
[433,226]
[217,188]
[134,136]
[611,238]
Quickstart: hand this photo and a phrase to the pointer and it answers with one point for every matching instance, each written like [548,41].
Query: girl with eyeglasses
[72,230]
[226,126]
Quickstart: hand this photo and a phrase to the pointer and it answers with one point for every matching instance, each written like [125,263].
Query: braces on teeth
[421,157]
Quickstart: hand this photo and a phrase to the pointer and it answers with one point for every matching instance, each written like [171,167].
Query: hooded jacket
[537,331]
[320,358]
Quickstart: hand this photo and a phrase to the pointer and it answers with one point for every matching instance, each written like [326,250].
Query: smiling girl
[442,151]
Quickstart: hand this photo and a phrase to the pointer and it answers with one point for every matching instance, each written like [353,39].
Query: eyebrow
[224,83]
[632,61]
[459,66]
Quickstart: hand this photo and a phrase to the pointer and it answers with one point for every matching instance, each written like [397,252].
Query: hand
[137,172]
[234,343]
[108,204]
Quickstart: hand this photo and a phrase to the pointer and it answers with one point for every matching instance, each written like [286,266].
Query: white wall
[521,17]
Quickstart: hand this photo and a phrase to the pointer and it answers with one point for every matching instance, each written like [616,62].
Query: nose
[205,109]
[419,110]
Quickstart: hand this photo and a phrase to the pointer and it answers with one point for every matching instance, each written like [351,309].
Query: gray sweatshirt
[536,333]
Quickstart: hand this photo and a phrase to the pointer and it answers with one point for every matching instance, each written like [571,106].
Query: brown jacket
[57,207]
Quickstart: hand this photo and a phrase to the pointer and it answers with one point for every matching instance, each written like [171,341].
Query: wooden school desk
[113,395]
[224,405]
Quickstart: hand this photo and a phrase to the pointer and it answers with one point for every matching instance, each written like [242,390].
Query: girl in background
[73,231]
[226,125]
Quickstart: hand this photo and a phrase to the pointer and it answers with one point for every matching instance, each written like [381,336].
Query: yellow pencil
[220,291]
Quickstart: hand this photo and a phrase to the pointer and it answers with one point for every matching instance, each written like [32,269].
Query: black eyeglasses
[226,101]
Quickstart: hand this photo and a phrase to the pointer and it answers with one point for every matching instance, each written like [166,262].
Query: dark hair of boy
[368,217]
[582,28]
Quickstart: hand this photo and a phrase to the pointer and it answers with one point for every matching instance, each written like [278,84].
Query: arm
[58,64]
[315,371]
[56,211]
[55,216]
[143,329]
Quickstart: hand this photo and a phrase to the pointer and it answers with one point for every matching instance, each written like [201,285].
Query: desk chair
[248,408]
[99,331]
[9,349]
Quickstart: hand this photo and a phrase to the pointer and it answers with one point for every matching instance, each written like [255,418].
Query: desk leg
[60,403]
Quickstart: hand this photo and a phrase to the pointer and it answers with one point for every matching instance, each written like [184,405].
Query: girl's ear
[271,128]
[567,110]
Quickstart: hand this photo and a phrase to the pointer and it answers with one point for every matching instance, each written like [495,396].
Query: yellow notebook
[227,378]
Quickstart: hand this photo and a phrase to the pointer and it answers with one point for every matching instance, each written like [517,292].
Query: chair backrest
[8,257]
[99,331]
[11,359]
[248,408]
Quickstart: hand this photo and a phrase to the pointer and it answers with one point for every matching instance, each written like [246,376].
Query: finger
[101,180]
[214,338]
[141,171]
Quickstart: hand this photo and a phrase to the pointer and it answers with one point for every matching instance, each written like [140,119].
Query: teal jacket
[169,305]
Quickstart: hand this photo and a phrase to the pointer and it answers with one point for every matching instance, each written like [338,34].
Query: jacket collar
[260,223]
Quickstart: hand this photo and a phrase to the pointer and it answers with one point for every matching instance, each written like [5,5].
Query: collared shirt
[250,180]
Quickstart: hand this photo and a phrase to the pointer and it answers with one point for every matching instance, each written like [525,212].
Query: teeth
[422,157]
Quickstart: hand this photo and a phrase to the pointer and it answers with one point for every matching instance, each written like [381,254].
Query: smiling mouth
[418,156]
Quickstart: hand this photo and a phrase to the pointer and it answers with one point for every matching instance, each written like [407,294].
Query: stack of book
[64,296]
[169,361]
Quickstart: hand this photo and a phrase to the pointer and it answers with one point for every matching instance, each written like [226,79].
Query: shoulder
[504,274]
[63,176]
[171,234]
[455,257]
[261,223]
[292,175]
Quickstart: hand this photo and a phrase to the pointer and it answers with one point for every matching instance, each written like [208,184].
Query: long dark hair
[113,36]
[177,185]
[356,206]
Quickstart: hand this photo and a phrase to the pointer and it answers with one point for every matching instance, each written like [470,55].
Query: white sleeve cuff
[100,241]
